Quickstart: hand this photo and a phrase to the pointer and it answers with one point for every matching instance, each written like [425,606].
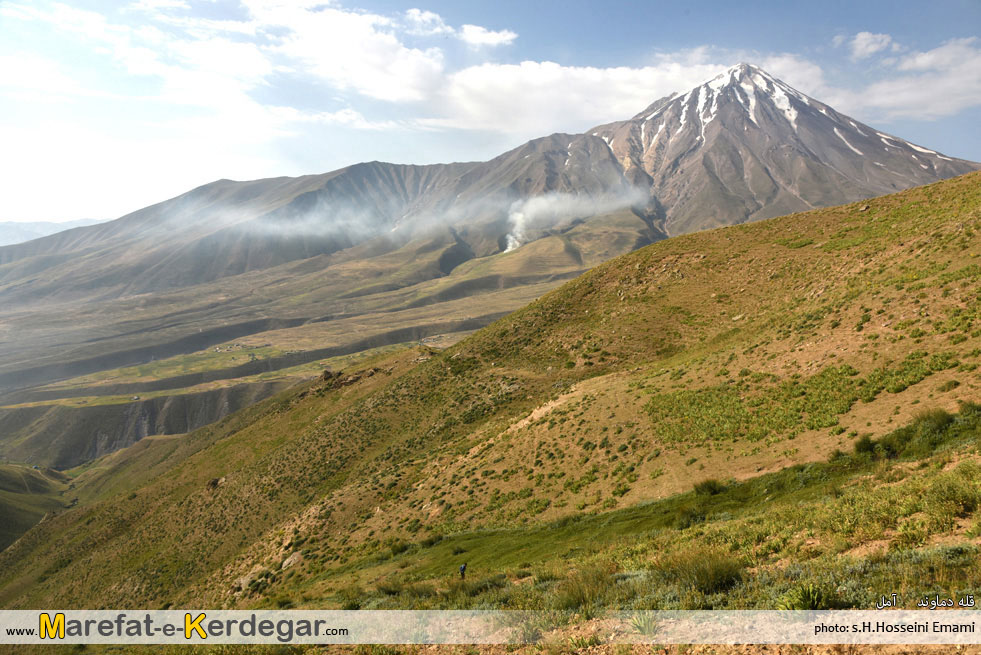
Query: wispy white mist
[546,210]
[354,222]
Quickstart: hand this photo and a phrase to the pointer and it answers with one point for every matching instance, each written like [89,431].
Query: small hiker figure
[463,571]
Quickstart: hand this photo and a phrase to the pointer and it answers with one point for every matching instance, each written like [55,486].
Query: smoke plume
[547,210]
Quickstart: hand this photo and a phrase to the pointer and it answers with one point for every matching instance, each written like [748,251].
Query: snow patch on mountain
[925,151]
[750,92]
[842,137]
[782,101]
[683,106]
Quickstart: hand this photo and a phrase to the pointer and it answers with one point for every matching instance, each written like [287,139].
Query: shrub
[932,421]
[911,534]
[700,569]
[582,589]
[864,445]
[969,410]
[473,588]
[390,587]
[951,496]
[919,438]
[807,597]
[709,487]
[687,517]
[644,624]
[351,598]
[420,590]
[621,489]
[581,642]
[376,649]
[546,575]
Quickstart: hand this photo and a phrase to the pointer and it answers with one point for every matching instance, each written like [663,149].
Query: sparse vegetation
[818,482]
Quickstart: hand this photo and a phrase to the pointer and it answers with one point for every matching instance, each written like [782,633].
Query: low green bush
[582,589]
[709,487]
[700,569]
[807,597]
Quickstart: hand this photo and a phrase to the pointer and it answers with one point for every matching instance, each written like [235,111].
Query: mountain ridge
[14,232]
[374,251]
[658,160]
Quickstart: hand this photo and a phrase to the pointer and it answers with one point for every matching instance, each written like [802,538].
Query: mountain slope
[228,228]
[742,146]
[12,232]
[300,270]
[723,353]
[745,146]
[26,496]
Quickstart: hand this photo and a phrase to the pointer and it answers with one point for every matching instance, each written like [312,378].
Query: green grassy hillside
[26,496]
[745,388]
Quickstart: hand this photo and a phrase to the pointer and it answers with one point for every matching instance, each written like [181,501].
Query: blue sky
[108,107]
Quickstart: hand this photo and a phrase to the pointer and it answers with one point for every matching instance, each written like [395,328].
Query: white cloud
[157,5]
[242,63]
[950,55]
[534,98]
[866,44]
[426,23]
[931,84]
[347,117]
[351,50]
[102,174]
[925,85]
[475,35]
[806,76]
[25,71]
[205,89]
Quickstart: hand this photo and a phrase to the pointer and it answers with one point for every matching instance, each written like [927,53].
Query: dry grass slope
[564,441]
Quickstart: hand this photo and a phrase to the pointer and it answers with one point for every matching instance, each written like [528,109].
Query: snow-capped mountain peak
[743,84]
[745,145]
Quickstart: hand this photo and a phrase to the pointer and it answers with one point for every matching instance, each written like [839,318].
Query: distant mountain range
[740,147]
[379,253]
[12,232]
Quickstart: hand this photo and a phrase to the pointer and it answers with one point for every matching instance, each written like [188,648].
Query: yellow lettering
[194,625]
[53,629]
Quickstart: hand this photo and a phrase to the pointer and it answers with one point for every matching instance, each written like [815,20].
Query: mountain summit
[745,146]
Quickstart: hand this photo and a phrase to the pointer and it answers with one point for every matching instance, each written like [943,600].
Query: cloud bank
[159,97]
